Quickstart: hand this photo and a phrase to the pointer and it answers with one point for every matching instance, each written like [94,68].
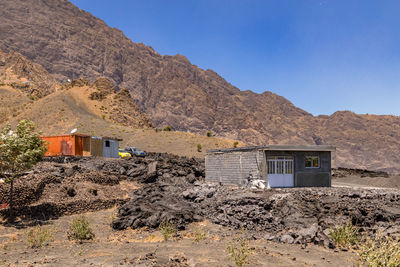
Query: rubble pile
[306,215]
[66,185]
[297,215]
[343,172]
[155,204]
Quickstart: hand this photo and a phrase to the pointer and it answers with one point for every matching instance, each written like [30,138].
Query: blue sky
[323,56]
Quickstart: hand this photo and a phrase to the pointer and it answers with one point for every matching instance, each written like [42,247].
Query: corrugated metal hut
[81,145]
[110,147]
[67,145]
[276,165]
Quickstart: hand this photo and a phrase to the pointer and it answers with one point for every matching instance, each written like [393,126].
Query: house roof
[314,148]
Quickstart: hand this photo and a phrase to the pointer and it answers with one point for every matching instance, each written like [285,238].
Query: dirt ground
[146,248]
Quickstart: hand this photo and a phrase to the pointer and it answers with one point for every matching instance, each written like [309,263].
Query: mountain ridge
[72,43]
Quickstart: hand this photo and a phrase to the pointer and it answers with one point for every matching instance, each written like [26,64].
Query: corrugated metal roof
[276,148]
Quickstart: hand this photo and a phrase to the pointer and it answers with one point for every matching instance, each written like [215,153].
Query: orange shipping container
[67,145]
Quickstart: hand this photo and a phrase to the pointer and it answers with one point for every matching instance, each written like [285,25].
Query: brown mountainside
[72,43]
[95,109]
[18,72]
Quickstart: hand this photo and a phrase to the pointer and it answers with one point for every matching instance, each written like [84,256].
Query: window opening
[312,162]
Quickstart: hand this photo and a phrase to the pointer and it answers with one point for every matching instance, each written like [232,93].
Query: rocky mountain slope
[93,108]
[18,72]
[72,43]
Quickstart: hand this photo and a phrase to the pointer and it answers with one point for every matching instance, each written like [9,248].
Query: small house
[276,165]
[81,145]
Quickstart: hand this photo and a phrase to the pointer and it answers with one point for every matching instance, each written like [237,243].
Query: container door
[280,172]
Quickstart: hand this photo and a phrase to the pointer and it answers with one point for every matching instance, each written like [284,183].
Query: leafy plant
[209,134]
[167,128]
[39,237]
[199,147]
[239,250]
[80,230]
[167,229]
[380,251]
[344,236]
[20,150]
[235,144]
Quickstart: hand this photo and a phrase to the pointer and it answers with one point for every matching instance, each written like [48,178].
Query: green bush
[235,144]
[209,134]
[20,150]
[167,128]
[344,236]
[239,250]
[380,251]
[80,229]
[39,237]
[199,147]
[167,229]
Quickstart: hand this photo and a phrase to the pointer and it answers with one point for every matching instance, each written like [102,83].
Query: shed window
[107,143]
[312,162]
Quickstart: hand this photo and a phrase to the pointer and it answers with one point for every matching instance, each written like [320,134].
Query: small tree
[199,147]
[19,152]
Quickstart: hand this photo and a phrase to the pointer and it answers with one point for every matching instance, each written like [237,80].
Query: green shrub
[199,147]
[239,250]
[20,150]
[209,134]
[39,237]
[380,251]
[235,144]
[80,229]
[167,128]
[167,229]
[344,236]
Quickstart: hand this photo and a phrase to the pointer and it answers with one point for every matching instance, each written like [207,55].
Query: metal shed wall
[96,146]
[234,167]
[68,145]
[110,151]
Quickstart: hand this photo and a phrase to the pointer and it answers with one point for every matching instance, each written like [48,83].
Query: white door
[280,171]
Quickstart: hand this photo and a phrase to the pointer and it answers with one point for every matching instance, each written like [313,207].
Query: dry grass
[239,250]
[344,236]
[80,230]
[39,237]
[199,235]
[380,251]
[167,230]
